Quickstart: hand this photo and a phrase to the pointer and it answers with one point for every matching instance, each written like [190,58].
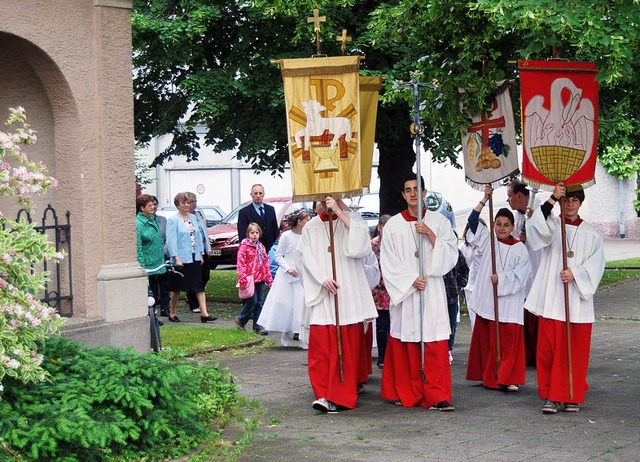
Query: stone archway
[70,68]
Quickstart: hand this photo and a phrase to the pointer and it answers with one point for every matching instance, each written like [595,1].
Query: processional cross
[344,39]
[416,130]
[316,19]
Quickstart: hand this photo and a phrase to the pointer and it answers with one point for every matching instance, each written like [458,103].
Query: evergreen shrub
[106,404]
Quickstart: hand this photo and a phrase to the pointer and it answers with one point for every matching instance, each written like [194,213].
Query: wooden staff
[335,296]
[496,314]
[567,314]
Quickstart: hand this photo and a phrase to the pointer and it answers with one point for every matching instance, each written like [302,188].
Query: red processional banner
[559,122]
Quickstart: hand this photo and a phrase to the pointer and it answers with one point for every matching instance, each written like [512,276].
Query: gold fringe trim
[504,181]
[322,70]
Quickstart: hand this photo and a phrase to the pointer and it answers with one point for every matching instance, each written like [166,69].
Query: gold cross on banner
[344,39]
[316,19]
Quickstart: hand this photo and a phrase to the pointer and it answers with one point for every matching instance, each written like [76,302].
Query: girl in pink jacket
[253,261]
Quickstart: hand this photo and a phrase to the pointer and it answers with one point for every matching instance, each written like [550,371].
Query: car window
[211,213]
[232,218]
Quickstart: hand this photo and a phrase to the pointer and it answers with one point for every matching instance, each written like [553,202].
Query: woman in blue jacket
[185,245]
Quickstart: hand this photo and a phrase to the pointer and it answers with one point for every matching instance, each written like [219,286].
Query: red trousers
[552,362]
[530,337]
[401,379]
[324,368]
[482,364]
[364,366]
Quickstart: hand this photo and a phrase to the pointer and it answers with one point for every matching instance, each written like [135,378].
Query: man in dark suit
[261,213]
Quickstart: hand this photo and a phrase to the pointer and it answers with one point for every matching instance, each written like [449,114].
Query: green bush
[102,404]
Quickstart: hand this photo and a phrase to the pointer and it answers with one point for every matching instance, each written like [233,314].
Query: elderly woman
[149,241]
[185,245]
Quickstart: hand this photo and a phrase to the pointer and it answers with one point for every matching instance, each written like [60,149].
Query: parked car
[368,206]
[435,202]
[212,213]
[224,236]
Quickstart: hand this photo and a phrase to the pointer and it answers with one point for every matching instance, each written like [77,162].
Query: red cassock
[402,360]
[482,364]
[551,361]
[324,369]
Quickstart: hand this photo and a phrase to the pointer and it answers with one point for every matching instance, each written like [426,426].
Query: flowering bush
[24,321]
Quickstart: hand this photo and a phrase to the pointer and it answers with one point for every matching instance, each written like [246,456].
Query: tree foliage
[207,62]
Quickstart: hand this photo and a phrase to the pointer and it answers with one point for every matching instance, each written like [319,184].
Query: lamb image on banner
[323,122]
[489,144]
[560,122]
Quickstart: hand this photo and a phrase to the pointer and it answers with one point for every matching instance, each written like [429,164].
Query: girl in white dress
[282,311]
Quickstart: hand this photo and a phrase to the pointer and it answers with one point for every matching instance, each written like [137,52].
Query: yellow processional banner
[369,89]
[322,100]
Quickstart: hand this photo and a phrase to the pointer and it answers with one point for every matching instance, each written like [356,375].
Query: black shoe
[204,319]
[174,319]
[296,337]
[261,331]
[443,406]
[160,323]
[164,313]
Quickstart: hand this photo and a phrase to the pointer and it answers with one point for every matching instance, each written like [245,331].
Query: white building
[223,180]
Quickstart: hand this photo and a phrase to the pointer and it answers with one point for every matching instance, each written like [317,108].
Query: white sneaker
[450,358]
[324,405]
[196,310]
[284,338]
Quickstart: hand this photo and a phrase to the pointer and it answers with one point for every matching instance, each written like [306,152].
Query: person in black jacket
[261,213]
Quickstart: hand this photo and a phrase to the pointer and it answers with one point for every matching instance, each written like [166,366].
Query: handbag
[248,291]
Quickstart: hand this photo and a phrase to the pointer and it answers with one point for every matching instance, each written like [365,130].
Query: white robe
[400,268]
[546,297]
[520,221]
[282,310]
[514,272]
[313,261]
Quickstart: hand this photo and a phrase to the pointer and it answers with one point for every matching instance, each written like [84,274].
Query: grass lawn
[617,275]
[222,286]
[191,339]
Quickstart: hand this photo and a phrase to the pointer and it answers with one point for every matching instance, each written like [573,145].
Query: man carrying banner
[399,258]
[585,265]
[333,357]
[523,204]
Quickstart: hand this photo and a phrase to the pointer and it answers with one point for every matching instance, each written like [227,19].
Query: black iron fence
[58,292]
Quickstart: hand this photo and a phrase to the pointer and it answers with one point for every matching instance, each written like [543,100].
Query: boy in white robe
[401,377]
[511,277]
[355,302]
[585,265]
[518,197]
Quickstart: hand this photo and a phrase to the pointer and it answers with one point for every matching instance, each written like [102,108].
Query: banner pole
[496,313]
[335,296]
[567,310]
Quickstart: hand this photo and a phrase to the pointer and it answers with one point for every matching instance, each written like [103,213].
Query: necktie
[261,208]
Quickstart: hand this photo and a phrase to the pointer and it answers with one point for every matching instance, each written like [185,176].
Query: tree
[207,63]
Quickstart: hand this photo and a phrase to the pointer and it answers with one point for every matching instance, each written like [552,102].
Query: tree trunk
[397,155]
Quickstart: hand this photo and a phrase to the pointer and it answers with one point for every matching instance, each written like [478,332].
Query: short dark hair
[411,177]
[143,200]
[578,193]
[504,212]
[518,186]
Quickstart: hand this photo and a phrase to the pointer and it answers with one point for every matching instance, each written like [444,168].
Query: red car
[224,236]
